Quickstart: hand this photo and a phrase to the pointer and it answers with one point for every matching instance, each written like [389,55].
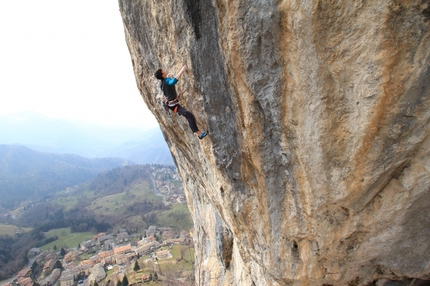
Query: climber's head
[159,74]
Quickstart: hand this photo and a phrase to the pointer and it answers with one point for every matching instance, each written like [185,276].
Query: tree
[33,266]
[118,283]
[95,283]
[58,265]
[124,281]
[136,266]
[155,276]
[62,251]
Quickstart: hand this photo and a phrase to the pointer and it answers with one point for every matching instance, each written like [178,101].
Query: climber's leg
[189,116]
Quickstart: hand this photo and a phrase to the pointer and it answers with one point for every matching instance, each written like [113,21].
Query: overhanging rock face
[317,169]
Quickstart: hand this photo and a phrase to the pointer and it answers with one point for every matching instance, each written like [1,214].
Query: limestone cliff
[317,169]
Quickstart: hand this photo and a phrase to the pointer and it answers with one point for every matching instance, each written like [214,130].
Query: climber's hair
[159,74]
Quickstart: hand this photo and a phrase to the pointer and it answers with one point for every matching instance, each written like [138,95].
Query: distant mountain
[46,134]
[26,174]
[149,148]
[88,140]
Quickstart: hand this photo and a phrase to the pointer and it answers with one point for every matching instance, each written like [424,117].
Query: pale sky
[68,59]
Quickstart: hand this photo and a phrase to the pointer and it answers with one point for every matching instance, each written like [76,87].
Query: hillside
[131,197]
[316,170]
[148,148]
[28,175]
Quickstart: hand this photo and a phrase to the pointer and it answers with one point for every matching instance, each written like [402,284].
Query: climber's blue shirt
[171,81]
[168,88]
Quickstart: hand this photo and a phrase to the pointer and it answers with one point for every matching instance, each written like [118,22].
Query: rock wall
[317,168]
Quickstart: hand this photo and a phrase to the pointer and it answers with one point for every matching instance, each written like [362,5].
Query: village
[99,257]
[106,258]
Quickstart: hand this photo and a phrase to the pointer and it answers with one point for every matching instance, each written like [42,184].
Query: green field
[116,204]
[177,217]
[169,267]
[71,201]
[9,229]
[66,238]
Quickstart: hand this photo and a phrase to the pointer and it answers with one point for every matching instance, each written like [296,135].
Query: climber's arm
[183,69]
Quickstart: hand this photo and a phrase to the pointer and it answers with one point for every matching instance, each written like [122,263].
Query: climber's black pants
[188,115]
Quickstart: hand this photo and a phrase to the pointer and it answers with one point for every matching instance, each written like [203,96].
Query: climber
[171,98]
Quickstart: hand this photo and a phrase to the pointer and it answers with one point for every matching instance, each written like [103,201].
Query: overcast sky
[68,59]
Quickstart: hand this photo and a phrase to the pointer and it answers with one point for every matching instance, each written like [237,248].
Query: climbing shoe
[203,135]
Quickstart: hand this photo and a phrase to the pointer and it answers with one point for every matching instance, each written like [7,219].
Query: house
[50,255]
[122,249]
[71,256]
[121,259]
[87,262]
[130,256]
[141,250]
[49,265]
[69,266]
[168,234]
[41,257]
[51,278]
[106,256]
[82,269]
[85,245]
[108,260]
[97,273]
[23,272]
[151,231]
[163,254]
[97,236]
[103,254]
[24,281]
[33,252]
[169,241]
[122,237]
[94,259]
[109,244]
[102,239]
[145,240]
[66,278]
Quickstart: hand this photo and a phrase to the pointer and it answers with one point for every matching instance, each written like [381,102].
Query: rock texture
[317,169]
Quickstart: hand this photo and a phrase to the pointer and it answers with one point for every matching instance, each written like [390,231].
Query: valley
[130,199]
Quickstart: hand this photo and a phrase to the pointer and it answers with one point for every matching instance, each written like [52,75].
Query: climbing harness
[173,102]
[168,104]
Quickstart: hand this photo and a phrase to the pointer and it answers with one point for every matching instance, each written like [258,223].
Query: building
[122,249]
[71,256]
[121,259]
[33,252]
[122,237]
[163,254]
[24,281]
[97,273]
[168,234]
[23,272]
[51,278]
[109,244]
[151,231]
[66,278]
[106,256]
[49,265]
